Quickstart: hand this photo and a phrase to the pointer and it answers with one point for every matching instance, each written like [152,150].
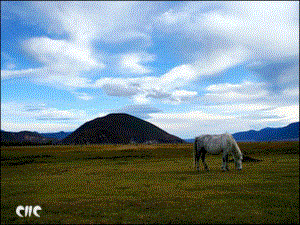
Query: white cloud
[284,113]
[24,111]
[142,89]
[195,115]
[231,33]
[142,111]
[219,60]
[61,52]
[119,86]
[190,124]
[177,77]
[291,92]
[239,109]
[167,85]
[173,18]
[16,116]
[84,96]
[62,81]
[108,22]
[84,23]
[228,33]
[246,91]
[224,118]
[290,77]
[179,96]
[8,74]
[276,31]
[132,62]
[141,99]
[269,29]
[10,66]
[64,61]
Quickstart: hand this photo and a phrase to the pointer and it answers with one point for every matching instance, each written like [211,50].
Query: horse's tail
[195,152]
[238,149]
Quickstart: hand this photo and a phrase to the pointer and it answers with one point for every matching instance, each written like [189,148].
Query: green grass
[149,184]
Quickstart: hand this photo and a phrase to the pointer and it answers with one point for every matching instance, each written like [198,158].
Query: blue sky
[188,67]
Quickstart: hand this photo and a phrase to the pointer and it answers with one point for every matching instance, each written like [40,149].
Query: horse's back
[211,143]
[209,138]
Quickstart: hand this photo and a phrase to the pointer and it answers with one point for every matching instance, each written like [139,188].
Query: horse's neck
[236,150]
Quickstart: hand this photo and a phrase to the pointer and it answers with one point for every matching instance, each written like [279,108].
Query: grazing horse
[215,144]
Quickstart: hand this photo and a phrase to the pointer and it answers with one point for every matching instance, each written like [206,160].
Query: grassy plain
[149,184]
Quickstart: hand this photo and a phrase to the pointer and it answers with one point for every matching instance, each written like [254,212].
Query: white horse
[215,144]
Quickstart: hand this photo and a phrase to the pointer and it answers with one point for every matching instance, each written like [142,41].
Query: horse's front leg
[225,161]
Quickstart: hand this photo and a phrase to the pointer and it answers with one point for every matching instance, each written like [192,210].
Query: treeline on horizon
[29,143]
[26,143]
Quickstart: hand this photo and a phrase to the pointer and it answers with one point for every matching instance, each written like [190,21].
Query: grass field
[149,184]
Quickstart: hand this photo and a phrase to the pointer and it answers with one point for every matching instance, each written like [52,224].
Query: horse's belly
[214,151]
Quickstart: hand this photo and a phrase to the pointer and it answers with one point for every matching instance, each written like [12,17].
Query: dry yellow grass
[148,184]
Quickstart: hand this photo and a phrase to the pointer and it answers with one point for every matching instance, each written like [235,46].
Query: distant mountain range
[24,137]
[287,133]
[58,135]
[119,128]
[123,128]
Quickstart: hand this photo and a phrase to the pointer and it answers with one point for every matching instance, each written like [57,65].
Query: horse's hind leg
[203,151]
[197,157]
[225,161]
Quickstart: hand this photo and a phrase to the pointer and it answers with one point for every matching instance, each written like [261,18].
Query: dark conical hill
[119,128]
